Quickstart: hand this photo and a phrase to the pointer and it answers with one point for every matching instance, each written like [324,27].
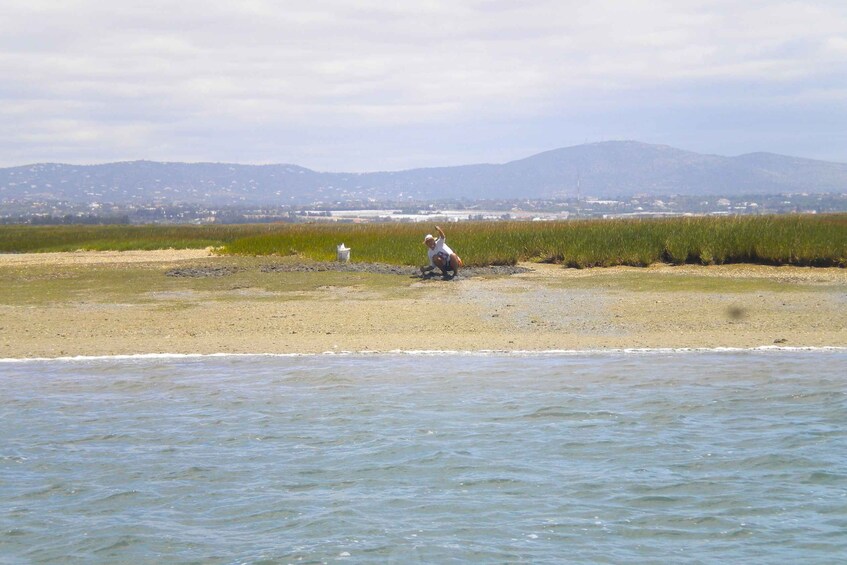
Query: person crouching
[440,255]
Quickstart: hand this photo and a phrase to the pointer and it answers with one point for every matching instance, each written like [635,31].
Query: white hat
[428,237]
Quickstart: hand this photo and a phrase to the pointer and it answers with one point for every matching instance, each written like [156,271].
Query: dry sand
[549,308]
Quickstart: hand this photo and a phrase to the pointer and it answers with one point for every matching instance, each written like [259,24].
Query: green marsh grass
[775,240]
[37,239]
[808,240]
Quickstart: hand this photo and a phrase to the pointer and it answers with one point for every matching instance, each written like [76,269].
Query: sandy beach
[111,303]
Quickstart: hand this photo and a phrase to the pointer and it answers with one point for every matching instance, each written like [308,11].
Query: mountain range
[612,169]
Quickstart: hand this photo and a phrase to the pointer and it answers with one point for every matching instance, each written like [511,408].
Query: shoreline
[770,349]
[110,304]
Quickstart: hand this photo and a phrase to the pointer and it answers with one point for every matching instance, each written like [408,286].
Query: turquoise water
[682,457]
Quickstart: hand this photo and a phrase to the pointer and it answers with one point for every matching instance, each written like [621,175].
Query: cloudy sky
[343,85]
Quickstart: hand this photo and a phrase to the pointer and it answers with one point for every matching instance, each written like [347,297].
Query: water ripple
[695,457]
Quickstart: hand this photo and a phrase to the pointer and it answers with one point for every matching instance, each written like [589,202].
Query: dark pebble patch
[199,272]
[380,268]
[376,268]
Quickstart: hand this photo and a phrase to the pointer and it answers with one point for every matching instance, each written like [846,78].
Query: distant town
[57,212]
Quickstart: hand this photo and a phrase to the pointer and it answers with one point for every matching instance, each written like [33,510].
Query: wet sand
[547,308]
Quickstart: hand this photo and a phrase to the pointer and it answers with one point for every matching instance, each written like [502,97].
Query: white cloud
[158,69]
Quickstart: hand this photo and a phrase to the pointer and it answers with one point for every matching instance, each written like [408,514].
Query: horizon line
[282,164]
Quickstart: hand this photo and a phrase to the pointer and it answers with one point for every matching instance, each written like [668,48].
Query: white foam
[440,353]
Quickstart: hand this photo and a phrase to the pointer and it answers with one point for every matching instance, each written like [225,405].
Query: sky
[369,85]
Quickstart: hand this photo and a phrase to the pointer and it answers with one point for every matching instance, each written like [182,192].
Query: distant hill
[608,169]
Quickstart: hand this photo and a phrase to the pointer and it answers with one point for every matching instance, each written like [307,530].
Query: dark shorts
[444,258]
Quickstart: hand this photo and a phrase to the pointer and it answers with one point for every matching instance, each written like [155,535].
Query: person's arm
[429,267]
[441,233]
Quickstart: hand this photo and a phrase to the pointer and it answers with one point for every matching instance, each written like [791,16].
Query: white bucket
[343,254]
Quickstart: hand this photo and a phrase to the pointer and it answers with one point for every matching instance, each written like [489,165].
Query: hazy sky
[370,85]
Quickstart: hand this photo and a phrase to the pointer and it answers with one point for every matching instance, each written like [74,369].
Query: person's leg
[454,264]
[444,263]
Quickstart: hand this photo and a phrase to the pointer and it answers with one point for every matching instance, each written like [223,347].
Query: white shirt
[440,247]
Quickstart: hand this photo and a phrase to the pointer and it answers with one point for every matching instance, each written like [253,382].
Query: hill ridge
[604,169]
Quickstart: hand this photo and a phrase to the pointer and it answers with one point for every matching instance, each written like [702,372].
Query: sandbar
[124,303]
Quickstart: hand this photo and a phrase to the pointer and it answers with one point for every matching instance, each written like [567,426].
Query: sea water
[679,457]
